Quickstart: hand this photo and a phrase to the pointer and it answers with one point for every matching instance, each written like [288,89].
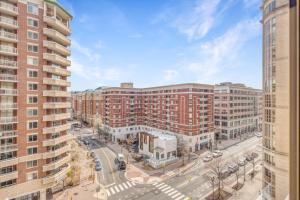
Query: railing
[9,21]
[8,133]
[8,63]
[4,120]
[8,49]
[5,91]
[57,34]
[8,77]
[5,106]
[9,35]
[56,46]
[160,163]
[56,70]
[8,6]
[11,147]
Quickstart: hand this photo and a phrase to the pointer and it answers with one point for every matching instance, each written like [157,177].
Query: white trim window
[32,176]
[32,35]
[32,86]
[32,60]
[32,125]
[32,22]
[32,112]
[32,8]
[32,99]
[32,73]
[34,48]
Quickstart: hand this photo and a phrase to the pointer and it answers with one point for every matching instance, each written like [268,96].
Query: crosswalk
[171,192]
[119,188]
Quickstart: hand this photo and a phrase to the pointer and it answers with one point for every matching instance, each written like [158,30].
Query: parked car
[258,134]
[98,166]
[254,155]
[249,157]
[207,158]
[122,165]
[225,173]
[120,158]
[242,161]
[92,154]
[233,168]
[216,154]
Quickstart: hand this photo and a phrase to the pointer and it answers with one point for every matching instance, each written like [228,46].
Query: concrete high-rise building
[276,75]
[34,149]
[237,110]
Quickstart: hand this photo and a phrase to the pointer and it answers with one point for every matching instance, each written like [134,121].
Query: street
[190,184]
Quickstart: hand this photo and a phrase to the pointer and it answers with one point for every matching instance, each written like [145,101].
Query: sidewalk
[230,142]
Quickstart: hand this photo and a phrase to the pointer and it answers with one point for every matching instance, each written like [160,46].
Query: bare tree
[252,162]
[213,180]
[236,171]
[182,149]
[217,167]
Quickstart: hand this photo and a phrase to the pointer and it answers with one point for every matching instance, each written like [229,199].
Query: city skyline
[165,43]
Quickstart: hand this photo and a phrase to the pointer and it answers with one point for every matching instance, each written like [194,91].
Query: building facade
[33,97]
[238,110]
[276,74]
[185,110]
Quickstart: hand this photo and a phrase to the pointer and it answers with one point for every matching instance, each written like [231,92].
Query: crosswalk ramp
[171,192]
[119,188]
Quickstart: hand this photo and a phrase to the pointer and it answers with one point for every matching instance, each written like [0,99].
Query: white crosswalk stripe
[180,197]
[119,188]
[171,192]
[163,186]
[175,195]
[159,184]
[166,188]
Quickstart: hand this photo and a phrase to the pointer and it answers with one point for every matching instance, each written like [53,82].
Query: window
[32,138]
[32,48]
[8,183]
[32,125]
[32,61]
[32,8]
[32,99]
[32,22]
[32,73]
[32,150]
[32,86]
[31,163]
[32,35]
[32,176]
[32,112]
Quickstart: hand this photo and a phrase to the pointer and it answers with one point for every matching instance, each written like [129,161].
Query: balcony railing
[8,64]
[56,70]
[57,59]
[57,24]
[8,50]
[55,93]
[9,176]
[10,147]
[58,140]
[8,78]
[7,120]
[58,176]
[58,82]
[6,91]
[55,129]
[54,105]
[57,36]
[8,106]
[5,21]
[8,36]
[56,47]
[4,134]
[54,117]
[57,152]
[8,8]
[56,164]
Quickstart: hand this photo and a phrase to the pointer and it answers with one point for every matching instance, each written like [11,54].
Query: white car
[207,158]
[258,135]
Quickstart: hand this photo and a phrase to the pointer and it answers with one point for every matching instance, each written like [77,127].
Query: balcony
[8,78]
[57,36]
[57,152]
[9,176]
[56,59]
[55,93]
[8,64]
[54,117]
[8,134]
[9,162]
[8,36]
[8,50]
[8,92]
[8,23]
[8,147]
[55,129]
[58,140]
[54,105]
[56,70]
[57,163]
[56,47]
[8,120]
[8,9]
[58,176]
[8,106]
[57,24]
[59,82]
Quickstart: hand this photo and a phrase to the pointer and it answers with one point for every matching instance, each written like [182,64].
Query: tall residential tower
[34,149]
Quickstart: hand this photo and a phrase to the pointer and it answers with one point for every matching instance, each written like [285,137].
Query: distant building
[159,148]
[237,110]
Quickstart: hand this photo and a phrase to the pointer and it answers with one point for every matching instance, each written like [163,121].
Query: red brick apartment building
[184,110]
[34,149]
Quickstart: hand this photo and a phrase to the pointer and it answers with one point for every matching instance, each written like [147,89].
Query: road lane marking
[170,190]
[177,194]
[112,190]
[172,193]
[180,197]
[163,186]
[108,193]
[159,184]
[120,186]
[128,183]
[111,169]
[125,186]
[117,189]
[166,188]
[133,183]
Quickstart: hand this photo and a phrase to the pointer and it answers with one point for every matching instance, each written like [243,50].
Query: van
[120,157]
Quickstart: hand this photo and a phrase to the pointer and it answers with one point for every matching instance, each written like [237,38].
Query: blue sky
[155,42]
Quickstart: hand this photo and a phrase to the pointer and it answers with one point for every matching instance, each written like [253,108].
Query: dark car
[122,165]
[98,166]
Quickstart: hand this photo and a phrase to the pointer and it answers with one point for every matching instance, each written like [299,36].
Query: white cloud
[223,52]
[89,53]
[170,75]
